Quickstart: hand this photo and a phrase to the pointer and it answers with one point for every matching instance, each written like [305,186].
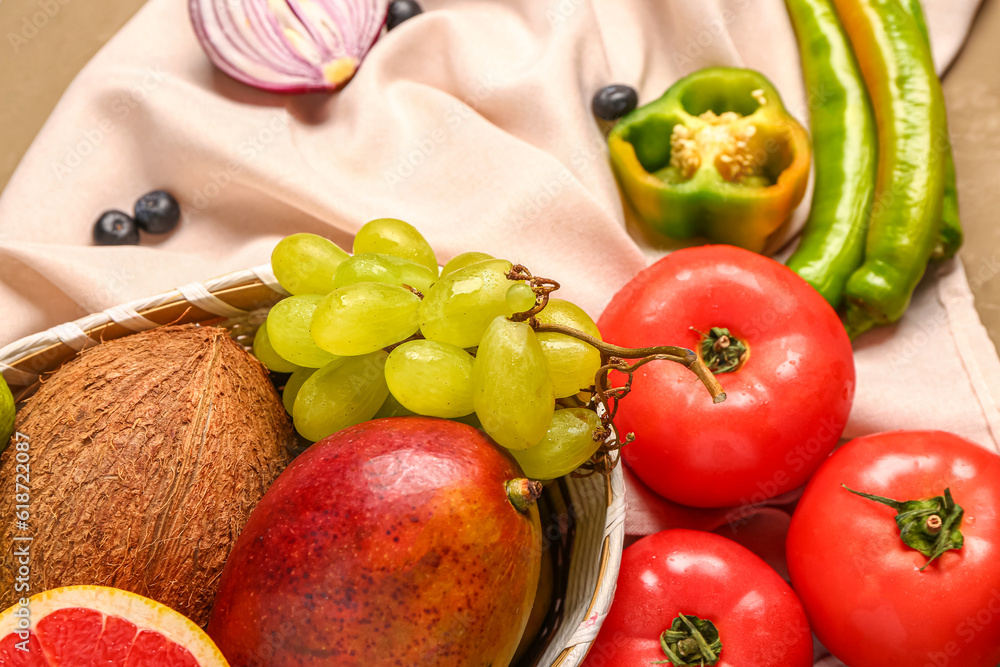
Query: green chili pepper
[716,156]
[844,145]
[951,226]
[909,111]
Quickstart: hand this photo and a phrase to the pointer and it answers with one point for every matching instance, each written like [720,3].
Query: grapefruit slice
[90,626]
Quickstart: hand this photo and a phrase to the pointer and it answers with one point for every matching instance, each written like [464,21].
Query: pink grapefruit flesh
[95,626]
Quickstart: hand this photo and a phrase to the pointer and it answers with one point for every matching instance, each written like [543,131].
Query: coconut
[147,454]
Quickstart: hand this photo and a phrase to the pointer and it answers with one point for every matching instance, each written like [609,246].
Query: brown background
[37,65]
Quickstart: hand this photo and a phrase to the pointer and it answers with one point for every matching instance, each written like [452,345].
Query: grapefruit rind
[146,614]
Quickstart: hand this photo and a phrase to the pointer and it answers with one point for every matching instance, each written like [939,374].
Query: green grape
[266,355]
[511,389]
[392,408]
[343,393]
[568,314]
[568,444]
[459,307]
[292,386]
[371,267]
[572,363]
[395,237]
[288,331]
[520,298]
[358,319]
[461,261]
[305,263]
[431,378]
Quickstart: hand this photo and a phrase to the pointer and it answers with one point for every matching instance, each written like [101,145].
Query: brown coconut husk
[147,454]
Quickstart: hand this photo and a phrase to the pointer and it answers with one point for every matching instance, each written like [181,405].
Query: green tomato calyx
[690,641]
[931,526]
[722,352]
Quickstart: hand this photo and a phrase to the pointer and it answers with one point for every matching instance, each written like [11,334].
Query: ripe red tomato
[786,405]
[759,620]
[863,588]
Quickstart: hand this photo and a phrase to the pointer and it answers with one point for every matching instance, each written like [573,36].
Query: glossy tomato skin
[862,587]
[759,618]
[786,407]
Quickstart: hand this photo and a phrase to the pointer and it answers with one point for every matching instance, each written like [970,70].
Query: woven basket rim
[23,361]
[218,297]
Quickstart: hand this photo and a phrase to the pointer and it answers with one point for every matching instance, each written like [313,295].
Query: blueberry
[115,228]
[157,212]
[613,102]
[401,10]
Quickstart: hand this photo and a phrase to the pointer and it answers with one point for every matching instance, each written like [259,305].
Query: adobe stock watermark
[556,526]
[454,117]
[114,287]
[908,347]
[93,138]
[700,40]
[248,150]
[562,11]
[966,632]
[549,192]
[21,561]
[804,455]
[32,23]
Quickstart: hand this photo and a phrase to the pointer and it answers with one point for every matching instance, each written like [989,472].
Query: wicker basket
[585,526]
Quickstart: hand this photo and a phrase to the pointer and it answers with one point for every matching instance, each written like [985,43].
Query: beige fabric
[472,122]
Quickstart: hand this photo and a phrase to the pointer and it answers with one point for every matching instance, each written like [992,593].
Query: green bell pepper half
[717,156]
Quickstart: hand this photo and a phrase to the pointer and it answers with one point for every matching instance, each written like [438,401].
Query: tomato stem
[722,351]
[931,525]
[690,641]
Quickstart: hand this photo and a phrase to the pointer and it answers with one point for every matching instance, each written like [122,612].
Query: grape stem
[542,287]
[608,396]
[414,290]
[680,355]
[613,358]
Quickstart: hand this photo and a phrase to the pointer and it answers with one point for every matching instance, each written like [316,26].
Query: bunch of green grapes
[383,333]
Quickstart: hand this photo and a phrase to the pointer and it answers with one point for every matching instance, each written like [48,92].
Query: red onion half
[288,46]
